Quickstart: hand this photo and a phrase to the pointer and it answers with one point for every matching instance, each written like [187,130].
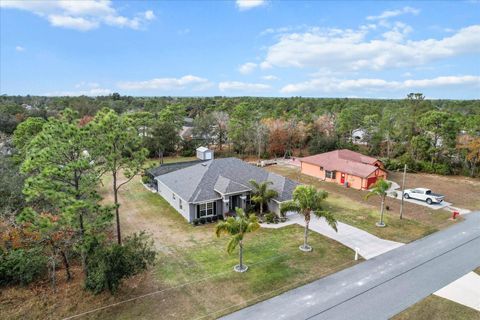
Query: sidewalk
[368,245]
[465,290]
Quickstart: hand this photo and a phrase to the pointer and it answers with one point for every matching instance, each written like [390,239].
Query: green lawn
[437,308]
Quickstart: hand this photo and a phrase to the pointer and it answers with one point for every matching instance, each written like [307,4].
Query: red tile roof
[344,161]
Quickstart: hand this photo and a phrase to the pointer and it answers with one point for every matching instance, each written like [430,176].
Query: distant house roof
[344,161]
[188,122]
[186,133]
[211,179]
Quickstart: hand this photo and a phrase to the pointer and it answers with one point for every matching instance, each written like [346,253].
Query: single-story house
[203,189]
[344,167]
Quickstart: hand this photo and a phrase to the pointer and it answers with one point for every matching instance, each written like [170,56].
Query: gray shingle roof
[170,167]
[203,182]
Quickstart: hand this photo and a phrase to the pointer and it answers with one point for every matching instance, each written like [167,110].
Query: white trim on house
[206,201]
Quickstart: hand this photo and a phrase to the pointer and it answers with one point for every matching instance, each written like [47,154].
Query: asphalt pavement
[383,286]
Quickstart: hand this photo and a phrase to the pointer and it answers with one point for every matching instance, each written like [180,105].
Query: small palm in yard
[380,189]
[262,194]
[237,227]
[307,201]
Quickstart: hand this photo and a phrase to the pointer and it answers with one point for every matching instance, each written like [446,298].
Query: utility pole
[403,188]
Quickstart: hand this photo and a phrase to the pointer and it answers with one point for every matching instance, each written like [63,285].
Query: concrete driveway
[383,286]
[367,244]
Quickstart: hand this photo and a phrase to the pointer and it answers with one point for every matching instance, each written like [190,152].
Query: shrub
[146,179]
[195,222]
[270,217]
[109,265]
[202,220]
[21,266]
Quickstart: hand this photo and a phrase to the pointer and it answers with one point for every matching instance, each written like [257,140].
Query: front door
[342,178]
[234,203]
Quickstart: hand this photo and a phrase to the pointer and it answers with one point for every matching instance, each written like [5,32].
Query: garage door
[371,181]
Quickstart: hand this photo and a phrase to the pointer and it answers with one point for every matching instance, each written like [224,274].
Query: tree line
[435,136]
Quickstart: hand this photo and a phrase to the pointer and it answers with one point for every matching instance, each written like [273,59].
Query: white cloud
[394,13]
[270,78]
[149,15]
[77,23]
[349,50]
[83,89]
[247,68]
[190,81]
[94,92]
[344,85]
[249,4]
[242,86]
[19,49]
[80,15]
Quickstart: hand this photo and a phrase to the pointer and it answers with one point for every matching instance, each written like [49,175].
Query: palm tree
[380,189]
[236,227]
[307,201]
[262,194]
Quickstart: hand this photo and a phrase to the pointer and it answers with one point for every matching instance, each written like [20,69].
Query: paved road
[369,245]
[383,286]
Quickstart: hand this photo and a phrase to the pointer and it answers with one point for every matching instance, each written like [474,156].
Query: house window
[321,168]
[180,205]
[330,174]
[206,209]
[173,196]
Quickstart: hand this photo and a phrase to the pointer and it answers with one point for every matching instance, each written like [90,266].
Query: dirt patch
[141,209]
[463,192]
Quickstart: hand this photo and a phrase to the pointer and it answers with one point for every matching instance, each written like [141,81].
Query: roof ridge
[198,188]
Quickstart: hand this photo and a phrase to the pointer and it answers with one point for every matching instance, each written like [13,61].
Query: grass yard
[350,206]
[193,276]
[437,308]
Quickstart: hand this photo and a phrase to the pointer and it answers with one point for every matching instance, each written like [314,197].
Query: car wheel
[406,196]
[429,201]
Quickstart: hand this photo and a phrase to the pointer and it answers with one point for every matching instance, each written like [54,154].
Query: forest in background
[435,136]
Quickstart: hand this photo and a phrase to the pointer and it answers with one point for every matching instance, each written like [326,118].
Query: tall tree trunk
[305,235]
[261,209]
[241,254]
[117,208]
[66,265]
[381,209]
[82,237]
[82,227]
[54,278]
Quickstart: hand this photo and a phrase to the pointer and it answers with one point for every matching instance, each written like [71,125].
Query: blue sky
[235,48]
